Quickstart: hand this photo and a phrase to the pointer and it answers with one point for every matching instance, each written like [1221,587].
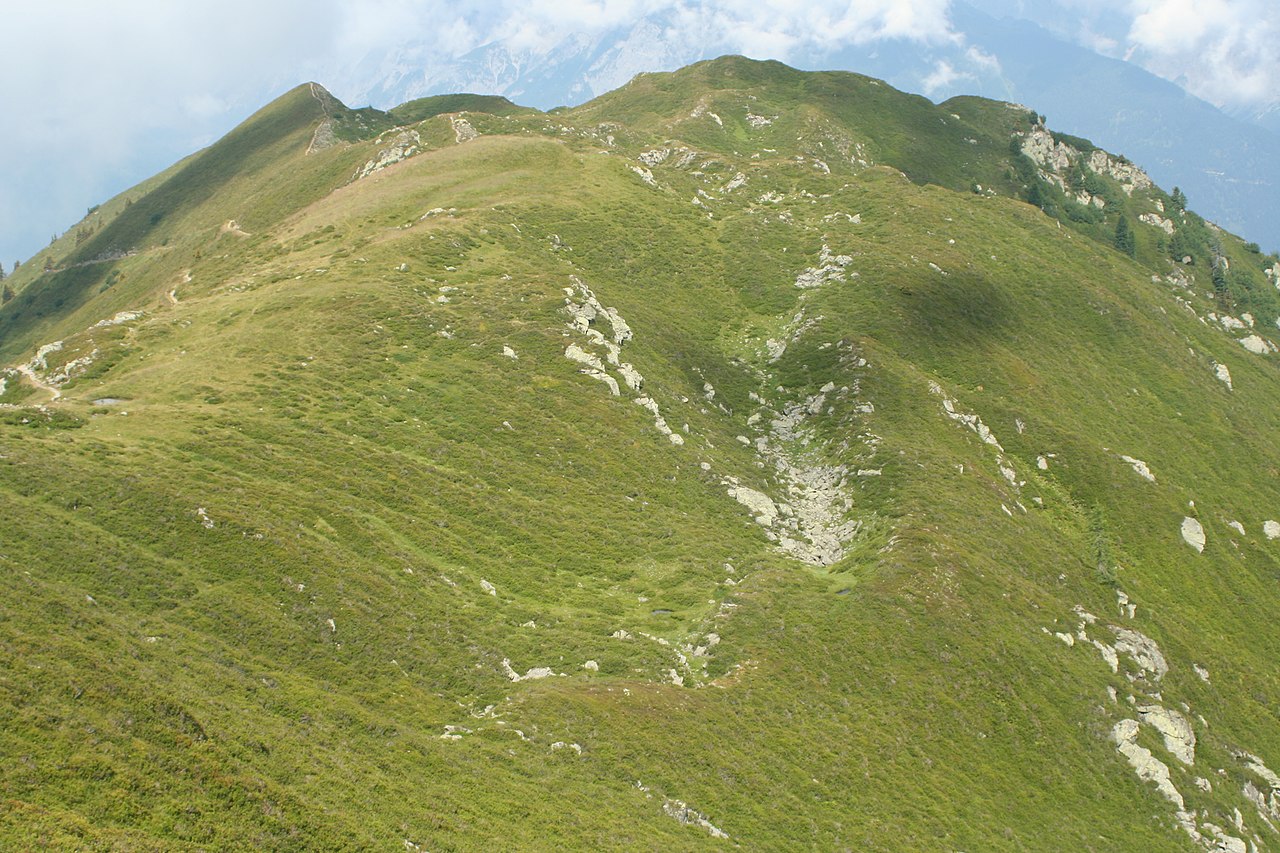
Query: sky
[97,96]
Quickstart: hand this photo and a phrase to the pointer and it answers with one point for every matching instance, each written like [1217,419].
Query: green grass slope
[425,108]
[324,543]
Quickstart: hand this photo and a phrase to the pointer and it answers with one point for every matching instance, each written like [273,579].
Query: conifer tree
[1036,196]
[1124,237]
[1180,247]
[1221,289]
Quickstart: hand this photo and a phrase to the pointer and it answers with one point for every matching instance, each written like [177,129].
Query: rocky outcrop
[592,366]
[1178,736]
[1130,176]
[462,130]
[1193,533]
[40,361]
[679,157]
[1257,345]
[659,422]
[1047,152]
[573,352]
[830,268]
[403,145]
[691,817]
[119,319]
[810,515]
[1266,799]
[1143,650]
[584,312]
[1004,465]
[1223,374]
[1055,158]
[1165,225]
[1140,468]
[631,376]
[1144,763]
[1176,731]
[973,422]
[532,674]
[761,506]
[645,175]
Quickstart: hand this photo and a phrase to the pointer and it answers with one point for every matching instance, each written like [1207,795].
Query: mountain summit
[746,457]
[1228,165]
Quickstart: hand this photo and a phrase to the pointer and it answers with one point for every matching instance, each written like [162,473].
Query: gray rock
[761,505]
[1140,468]
[1178,736]
[1193,533]
[1143,650]
[1257,345]
[1223,374]
[1147,766]
[691,817]
[462,130]
[830,268]
[403,146]
[576,353]
[631,376]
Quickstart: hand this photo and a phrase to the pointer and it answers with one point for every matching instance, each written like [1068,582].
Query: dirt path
[25,370]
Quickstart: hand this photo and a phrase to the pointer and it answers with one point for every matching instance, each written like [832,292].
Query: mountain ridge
[1225,164]
[674,470]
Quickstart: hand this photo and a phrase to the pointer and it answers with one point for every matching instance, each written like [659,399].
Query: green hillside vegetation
[425,108]
[314,538]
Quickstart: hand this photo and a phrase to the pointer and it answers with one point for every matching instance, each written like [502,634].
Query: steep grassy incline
[625,478]
[276,161]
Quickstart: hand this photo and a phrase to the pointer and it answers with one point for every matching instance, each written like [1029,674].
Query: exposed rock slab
[1179,738]
[1193,533]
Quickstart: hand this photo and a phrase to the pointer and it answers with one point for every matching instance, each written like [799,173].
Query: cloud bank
[1221,50]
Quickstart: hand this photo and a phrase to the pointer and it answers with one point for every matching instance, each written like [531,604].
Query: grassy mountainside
[324,526]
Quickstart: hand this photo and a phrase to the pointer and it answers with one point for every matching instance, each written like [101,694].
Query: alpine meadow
[745,459]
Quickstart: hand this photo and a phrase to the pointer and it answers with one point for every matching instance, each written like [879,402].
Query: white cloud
[942,76]
[827,25]
[982,60]
[1221,50]
[1098,42]
[765,27]
[1168,26]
